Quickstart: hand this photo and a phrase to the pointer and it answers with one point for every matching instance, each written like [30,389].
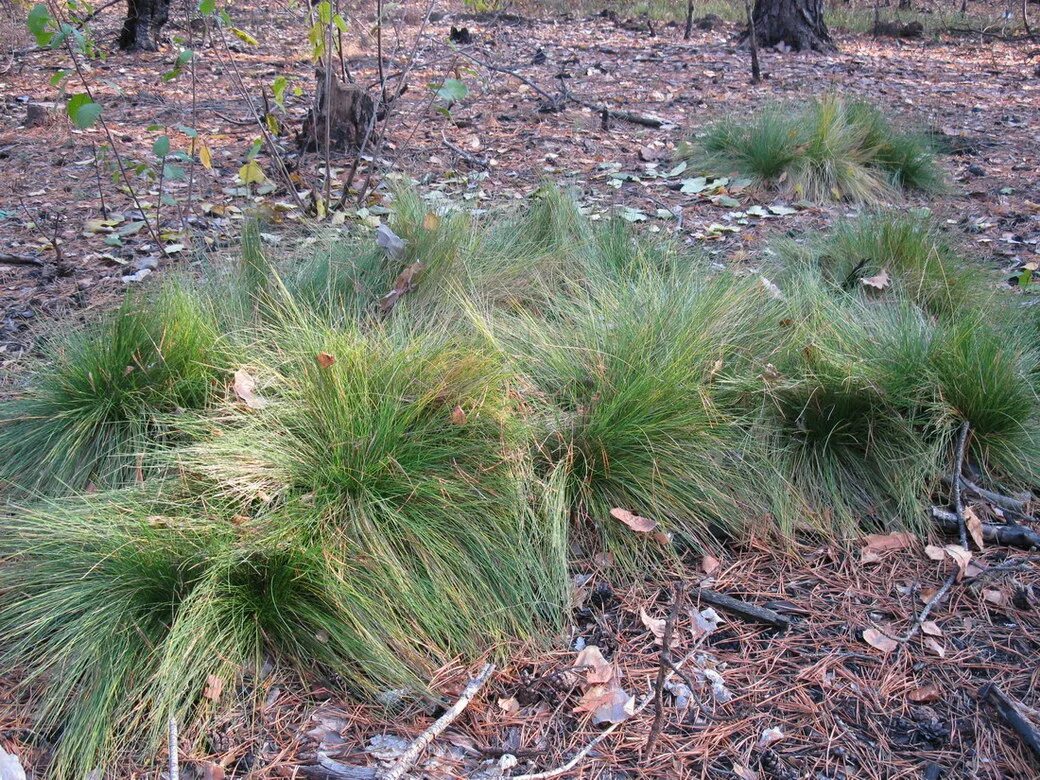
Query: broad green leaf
[38,22]
[207,7]
[83,111]
[341,23]
[452,90]
[278,88]
[161,147]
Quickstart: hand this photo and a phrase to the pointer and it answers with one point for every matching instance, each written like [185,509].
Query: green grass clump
[405,482]
[921,265]
[833,149]
[623,378]
[104,394]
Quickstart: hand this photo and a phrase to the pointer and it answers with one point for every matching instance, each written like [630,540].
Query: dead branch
[998,499]
[410,756]
[1011,714]
[662,672]
[1018,536]
[743,609]
[9,259]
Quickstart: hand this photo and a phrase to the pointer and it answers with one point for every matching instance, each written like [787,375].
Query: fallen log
[1009,711]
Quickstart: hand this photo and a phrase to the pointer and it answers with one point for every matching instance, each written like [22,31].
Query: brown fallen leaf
[925,694]
[878,282]
[244,387]
[960,556]
[458,416]
[995,597]
[931,628]
[597,669]
[878,640]
[510,705]
[710,564]
[974,526]
[935,552]
[324,359]
[885,542]
[635,522]
[431,221]
[743,772]
[404,283]
[609,703]
[655,625]
[214,687]
[935,646]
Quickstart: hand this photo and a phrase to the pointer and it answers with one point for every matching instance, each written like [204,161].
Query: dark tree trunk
[796,23]
[143,23]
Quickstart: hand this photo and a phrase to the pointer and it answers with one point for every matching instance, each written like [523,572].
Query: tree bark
[797,23]
[143,24]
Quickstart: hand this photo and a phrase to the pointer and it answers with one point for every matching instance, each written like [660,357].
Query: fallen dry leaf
[882,642]
[931,628]
[935,646]
[635,522]
[924,694]
[995,597]
[710,564]
[770,737]
[431,221]
[324,359]
[974,526]
[878,282]
[743,772]
[458,416]
[960,556]
[704,622]
[214,687]
[656,625]
[935,552]
[885,542]
[598,670]
[244,387]
[510,705]
[608,703]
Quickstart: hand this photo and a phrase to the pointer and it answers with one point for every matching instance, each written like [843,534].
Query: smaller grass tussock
[833,149]
[104,394]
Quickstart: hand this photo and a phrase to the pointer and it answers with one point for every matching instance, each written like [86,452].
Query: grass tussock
[832,149]
[105,394]
[409,468]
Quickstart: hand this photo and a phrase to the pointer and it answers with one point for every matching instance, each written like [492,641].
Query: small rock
[137,276]
[10,766]
[149,263]
[38,114]
[976,170]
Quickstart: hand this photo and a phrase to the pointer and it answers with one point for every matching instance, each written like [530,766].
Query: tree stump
[797,24]
[143,24]
[346,111]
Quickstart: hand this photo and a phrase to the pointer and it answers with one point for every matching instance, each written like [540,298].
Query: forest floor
[844,706]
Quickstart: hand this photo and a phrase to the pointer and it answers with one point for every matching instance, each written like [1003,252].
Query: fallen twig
[1011,714]
[410,756]
[662,672]
[998,499]
[473,159]
[745,610]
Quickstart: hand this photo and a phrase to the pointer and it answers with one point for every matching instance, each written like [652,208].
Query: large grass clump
[364,463]
[832,149]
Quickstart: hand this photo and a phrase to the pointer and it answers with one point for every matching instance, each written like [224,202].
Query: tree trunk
[143,23]
[797,23]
